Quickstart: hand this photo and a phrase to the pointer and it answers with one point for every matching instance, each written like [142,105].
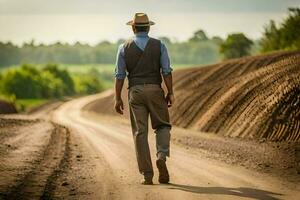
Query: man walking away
[145,61]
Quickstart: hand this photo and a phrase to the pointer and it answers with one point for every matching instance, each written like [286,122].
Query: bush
[52,86]
[64,76]
[236,45]
[28,82]
[22,82]
[88,83]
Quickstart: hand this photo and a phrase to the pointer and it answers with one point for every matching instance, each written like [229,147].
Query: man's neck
[141,34]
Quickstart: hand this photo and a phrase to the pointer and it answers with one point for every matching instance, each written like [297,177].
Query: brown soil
[91,157]
[195,169]
[254,97]
[7,108]
[32,154]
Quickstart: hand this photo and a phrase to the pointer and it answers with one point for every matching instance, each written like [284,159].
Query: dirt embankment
[7,107]
[254,97]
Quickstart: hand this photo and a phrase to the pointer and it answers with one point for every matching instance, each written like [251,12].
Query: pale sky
[92,21]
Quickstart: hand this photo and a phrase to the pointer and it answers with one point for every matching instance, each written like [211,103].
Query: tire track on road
[40,181]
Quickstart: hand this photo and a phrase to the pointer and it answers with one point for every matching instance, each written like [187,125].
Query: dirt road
[105,166]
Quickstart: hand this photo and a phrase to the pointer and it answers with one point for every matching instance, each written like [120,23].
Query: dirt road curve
[106,166]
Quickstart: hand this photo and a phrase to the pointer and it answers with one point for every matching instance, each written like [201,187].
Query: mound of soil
[254,97]
[7,108]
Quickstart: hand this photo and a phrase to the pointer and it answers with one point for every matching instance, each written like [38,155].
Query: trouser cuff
[148,174]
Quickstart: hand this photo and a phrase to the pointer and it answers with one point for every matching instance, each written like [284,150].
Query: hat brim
[131,23]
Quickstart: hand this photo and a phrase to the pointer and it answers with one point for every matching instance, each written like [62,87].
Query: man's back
[141,40]
[143,66]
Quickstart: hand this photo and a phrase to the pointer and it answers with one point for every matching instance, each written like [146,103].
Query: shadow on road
[240,191]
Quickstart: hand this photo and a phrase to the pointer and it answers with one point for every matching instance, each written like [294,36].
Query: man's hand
[169,84]
[170,99]
[119,106]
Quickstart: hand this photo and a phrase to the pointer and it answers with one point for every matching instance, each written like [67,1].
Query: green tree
[165,40]
[105,52]
[284,37]
[9,54]
[217,40]
[271,39]
[199,35]
[236,45]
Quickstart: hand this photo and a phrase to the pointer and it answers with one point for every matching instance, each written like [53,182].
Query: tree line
[285,36]
[199,49]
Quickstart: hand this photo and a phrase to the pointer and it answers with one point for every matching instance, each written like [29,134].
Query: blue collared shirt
[141,40]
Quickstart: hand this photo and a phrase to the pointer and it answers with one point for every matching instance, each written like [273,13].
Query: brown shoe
[163,171]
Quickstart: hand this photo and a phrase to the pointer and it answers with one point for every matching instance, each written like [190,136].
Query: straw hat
[140,19]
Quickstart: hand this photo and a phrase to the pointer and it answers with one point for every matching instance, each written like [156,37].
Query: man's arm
[169,84]
[119,106]
[120,74]
[167,74]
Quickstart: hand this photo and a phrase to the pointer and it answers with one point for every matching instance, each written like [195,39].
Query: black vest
[143,67]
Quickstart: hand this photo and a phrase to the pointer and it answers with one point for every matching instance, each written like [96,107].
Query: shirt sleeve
[120,70]
[165,60]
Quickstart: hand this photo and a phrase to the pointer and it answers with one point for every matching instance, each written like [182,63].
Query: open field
[253,97]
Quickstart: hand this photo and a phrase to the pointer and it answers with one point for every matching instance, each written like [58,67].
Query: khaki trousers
[145,100]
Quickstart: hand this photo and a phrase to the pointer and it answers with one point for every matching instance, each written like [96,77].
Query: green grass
[27,104]
[106,71]
[3,69]
[101,68]
[8,98]
[23,104]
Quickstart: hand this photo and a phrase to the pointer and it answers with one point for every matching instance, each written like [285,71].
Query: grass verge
[27,104]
